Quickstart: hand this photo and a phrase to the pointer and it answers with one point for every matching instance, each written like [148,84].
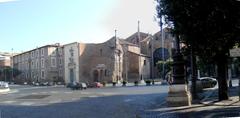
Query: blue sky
[27,24]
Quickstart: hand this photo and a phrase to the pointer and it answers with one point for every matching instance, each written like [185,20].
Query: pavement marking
[26,103]
[8,102]
[54,92]
[68,92]
[13,91]
[22,94]
[34,93]
[44,92]
[30,88]
[55,101]
[108,94]
[74,99]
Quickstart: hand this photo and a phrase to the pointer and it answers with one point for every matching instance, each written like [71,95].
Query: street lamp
[178,65]
[178,94]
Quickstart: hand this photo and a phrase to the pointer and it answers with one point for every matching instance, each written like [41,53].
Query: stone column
[178,94]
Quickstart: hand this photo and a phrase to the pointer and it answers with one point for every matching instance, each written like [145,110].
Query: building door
[95,76]
[71,75]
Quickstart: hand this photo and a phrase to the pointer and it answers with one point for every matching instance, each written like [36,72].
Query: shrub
[114,83]
[124,83]
[135,83]
[148,82]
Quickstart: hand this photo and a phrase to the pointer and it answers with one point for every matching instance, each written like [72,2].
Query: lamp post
[178,94]
[178,66]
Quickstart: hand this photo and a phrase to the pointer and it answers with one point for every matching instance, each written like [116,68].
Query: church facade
[116,60]
[112,61]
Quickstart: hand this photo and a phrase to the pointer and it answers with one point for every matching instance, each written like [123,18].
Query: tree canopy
[209,27]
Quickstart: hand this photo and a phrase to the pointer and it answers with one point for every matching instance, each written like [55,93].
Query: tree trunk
[194,75]
[222,78]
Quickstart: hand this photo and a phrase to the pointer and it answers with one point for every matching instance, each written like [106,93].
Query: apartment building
[43,64]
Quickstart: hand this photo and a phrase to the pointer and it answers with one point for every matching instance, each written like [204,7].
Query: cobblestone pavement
[209,107]
[111,102]
[60,102]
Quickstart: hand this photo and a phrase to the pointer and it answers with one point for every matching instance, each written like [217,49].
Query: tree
[210,27]
[167,66]
[8,72]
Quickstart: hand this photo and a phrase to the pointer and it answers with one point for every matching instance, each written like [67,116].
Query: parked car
[98,84]
[208,82]
[3,84]
[36,84]
[43,83]
[77,86]
[83,86]
[95,85]
[74,86]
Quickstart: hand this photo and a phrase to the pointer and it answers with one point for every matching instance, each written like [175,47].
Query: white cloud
[3,1]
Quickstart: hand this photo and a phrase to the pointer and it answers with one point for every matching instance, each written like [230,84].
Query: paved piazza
[61,102]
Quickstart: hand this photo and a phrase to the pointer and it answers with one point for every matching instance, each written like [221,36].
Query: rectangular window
[42,51]
[32,54]
[32,64]
[32,74]
[37,63]
[144,62]
[53,62]
[105,72]
[60,61]
[42,74]
[36,53]
[42,63]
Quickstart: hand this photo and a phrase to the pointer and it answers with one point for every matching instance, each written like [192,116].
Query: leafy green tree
[210,27]
[8,72]
[167,66]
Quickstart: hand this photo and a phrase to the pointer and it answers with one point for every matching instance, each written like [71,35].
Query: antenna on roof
[115,38]
[138,33]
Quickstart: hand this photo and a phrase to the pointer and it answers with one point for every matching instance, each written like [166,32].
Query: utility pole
[12,65]
[139,58]
[117,51]
[126,62]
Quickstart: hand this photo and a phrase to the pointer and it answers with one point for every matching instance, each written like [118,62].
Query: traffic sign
[235,52]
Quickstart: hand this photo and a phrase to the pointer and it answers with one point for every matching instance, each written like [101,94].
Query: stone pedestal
[178,95]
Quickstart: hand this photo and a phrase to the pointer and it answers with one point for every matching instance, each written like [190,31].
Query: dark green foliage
[148,82]
[211,27]
[167,66]
[136,83]
[8,72]
[124,83]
